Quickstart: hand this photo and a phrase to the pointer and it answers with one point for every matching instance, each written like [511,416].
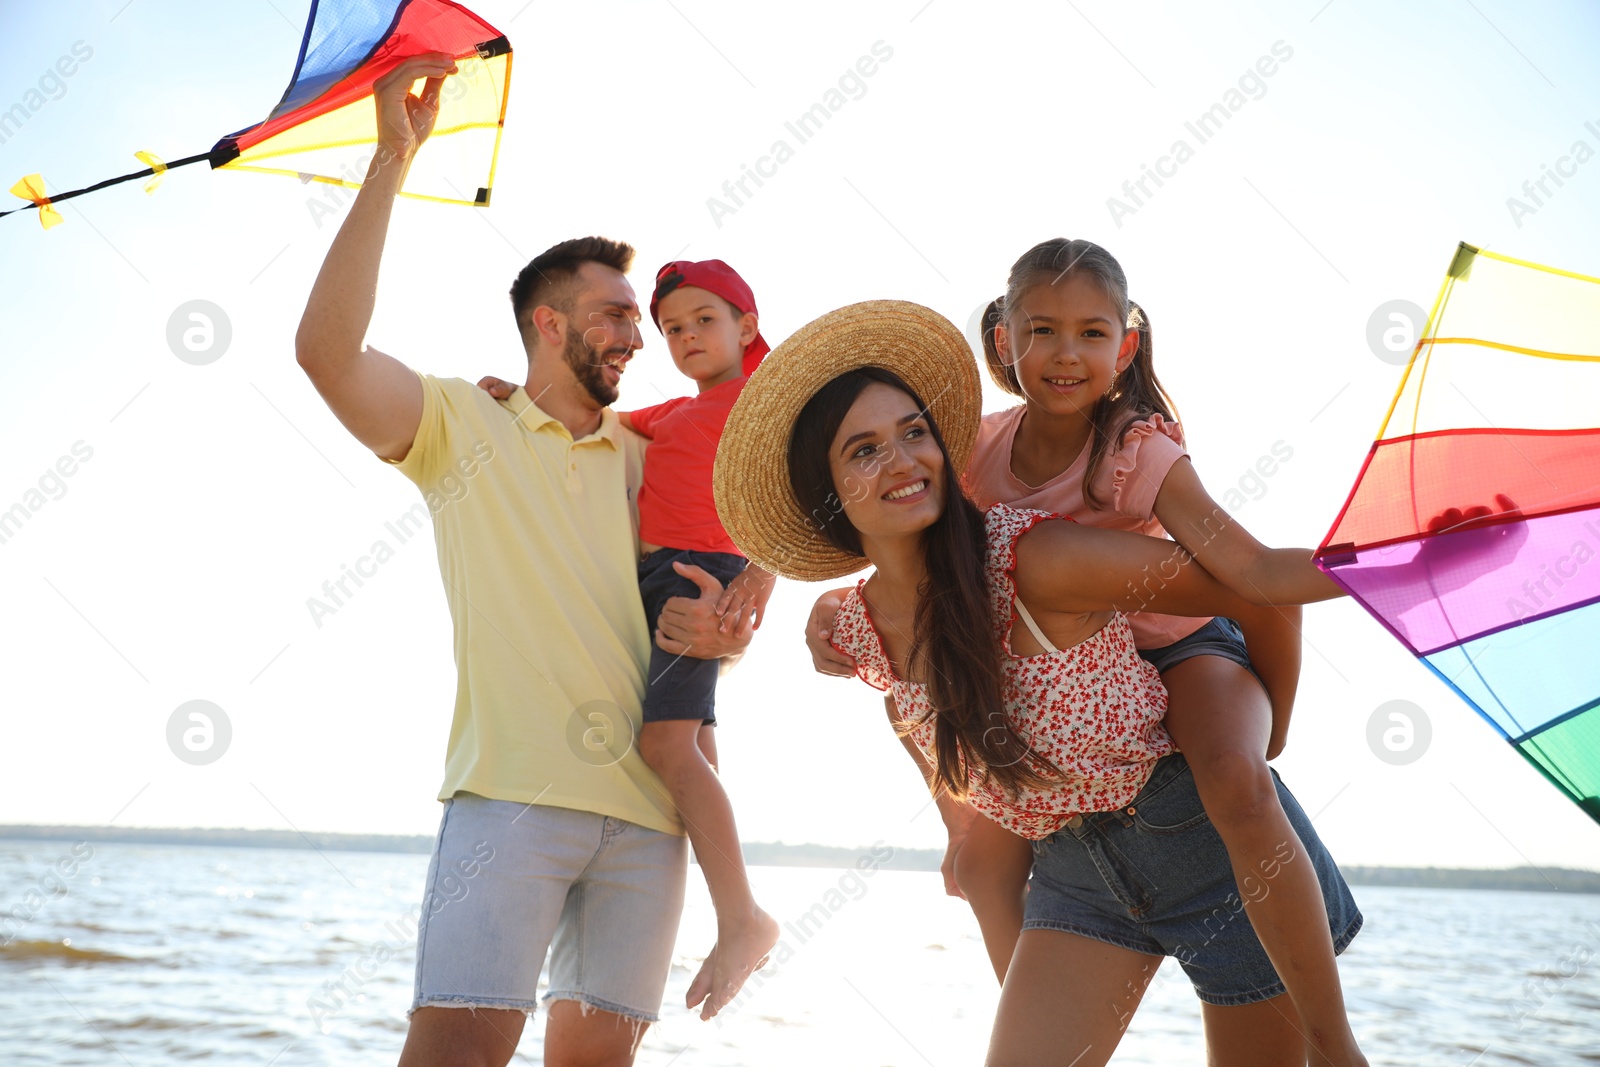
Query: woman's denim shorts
[1154,877]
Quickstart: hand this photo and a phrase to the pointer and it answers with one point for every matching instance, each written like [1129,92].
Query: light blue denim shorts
[510,881]
[1154,877]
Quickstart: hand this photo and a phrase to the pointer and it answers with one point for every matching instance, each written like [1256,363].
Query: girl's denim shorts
[1219,637]
[1154,877]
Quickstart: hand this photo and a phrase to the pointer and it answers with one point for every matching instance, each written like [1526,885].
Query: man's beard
[588,367]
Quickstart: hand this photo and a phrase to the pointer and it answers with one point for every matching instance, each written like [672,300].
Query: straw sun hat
[751,481]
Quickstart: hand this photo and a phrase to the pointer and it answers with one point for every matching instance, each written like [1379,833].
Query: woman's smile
[908,491]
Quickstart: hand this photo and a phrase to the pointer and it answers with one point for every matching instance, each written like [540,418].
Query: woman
[1095,440]
[1053,729]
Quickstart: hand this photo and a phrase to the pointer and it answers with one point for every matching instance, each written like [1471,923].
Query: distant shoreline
[773,854]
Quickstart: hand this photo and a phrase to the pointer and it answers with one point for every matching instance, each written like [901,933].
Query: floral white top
[1094,710]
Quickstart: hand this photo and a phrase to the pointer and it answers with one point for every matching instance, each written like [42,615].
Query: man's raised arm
[377,397]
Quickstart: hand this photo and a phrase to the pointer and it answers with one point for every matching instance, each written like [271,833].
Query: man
[554,829]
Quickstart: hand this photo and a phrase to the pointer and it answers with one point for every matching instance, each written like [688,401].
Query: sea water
[149,954]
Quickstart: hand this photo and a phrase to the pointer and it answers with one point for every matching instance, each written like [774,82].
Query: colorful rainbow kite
[1500,402]
[324,127]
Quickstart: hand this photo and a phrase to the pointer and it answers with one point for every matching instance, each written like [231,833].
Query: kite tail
[217,155]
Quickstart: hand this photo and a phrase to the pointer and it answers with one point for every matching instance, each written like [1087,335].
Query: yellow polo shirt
[537,536]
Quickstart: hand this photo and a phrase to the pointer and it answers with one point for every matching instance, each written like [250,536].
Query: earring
[1112,386]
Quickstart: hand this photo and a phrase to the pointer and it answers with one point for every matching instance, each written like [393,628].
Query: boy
[707,314]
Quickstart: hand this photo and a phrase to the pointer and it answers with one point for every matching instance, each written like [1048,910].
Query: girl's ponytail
[1144,358]
[1003,372]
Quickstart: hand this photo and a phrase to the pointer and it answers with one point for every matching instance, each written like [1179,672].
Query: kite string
[147,172]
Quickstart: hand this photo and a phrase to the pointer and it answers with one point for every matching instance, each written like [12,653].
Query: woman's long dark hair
[954,646]
[1137,394]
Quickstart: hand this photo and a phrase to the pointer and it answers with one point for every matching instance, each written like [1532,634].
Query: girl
[1033,725]
[1096,441]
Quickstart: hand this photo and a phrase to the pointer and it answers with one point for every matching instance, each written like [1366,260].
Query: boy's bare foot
[737,953]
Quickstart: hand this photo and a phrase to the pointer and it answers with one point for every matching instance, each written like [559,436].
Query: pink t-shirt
[1126,483]
[1093,711]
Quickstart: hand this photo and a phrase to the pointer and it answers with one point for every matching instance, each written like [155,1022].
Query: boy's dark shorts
[680,687]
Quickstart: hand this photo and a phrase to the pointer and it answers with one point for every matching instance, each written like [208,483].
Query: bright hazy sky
[175,563]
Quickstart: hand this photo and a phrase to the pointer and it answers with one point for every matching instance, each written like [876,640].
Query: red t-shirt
[676,508]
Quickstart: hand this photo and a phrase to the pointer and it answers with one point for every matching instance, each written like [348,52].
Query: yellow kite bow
[32,188]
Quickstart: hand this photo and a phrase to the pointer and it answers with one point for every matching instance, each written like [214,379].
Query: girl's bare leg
[992,873]
[1264,1034]
[1219,716]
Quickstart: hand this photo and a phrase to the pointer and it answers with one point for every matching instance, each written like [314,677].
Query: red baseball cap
[714,276]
